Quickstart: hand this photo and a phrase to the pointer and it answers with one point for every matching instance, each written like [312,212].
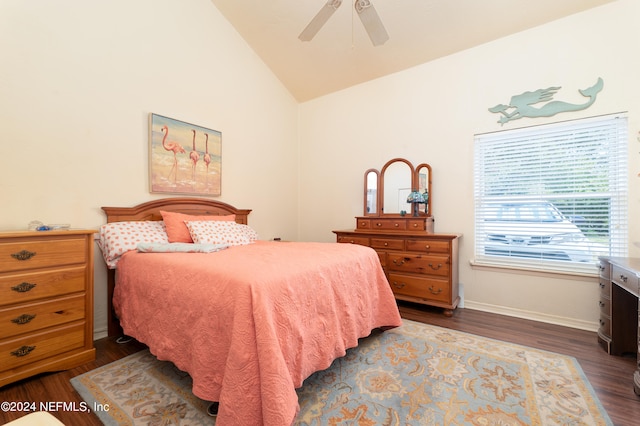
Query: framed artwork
[184,158]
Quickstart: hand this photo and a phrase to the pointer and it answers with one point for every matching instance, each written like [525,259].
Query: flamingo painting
[176,159]
[176,148]
[194,156]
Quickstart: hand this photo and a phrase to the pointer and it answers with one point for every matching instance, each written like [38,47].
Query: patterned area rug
[416,374]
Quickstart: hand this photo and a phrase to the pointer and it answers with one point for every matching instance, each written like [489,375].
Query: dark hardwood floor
[611,377]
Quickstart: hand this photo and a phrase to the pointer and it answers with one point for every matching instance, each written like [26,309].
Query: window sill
[588,271]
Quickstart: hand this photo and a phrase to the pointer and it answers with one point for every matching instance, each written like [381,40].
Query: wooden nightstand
[46,302]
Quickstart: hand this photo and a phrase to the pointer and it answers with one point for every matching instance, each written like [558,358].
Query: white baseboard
[100,334]
[534,316]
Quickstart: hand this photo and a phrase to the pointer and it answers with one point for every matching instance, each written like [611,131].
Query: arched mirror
[423,177]
[386,192]
[396,182]
[371,180]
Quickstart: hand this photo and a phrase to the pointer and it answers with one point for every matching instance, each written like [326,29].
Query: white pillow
[117,238]
[217,232]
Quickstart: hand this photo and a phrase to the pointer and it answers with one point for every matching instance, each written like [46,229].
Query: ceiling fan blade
[319,20]
[371,21]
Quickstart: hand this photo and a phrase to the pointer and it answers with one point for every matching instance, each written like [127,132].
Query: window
[552,197]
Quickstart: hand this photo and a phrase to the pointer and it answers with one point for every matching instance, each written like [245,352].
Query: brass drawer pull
[378,224]
[23,287]
[23,351]
[400,262]
[435,269]
[435,292]
[23,255]
[427,247]
[23,319]
[398,285]
[396,225]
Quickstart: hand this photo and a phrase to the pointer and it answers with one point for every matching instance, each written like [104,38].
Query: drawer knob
[436,268]
[23,351]
[396,225]
[601,285]
[23,287]
[601,304]
[400,262]
[23,319]
[23,255]
[398,285]
[378,224]
[433,291]
[623,278]
[427,247]
[415,225]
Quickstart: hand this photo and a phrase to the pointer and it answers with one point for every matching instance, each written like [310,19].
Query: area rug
[416,374]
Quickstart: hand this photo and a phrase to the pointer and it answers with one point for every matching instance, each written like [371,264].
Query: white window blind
[552,197]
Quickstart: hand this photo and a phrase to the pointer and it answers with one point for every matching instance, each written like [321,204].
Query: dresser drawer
[387,243]
[37,346]
[19,288]
[605,306]
[605,326]
[427,245]
[363,241]
[605,269]
[418,263]
[605,288]
[30,254]
[389,224]
[424,288]
[39,315]
[363,224]
[625,278]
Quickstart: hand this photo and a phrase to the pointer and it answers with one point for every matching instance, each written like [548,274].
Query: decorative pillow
[177,230]
[117,238]
[217,232]
[248,232]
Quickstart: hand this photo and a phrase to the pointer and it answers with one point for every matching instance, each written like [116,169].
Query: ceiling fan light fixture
[319,20]
[372,22]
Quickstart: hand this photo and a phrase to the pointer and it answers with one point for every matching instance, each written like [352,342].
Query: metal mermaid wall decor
[522,105]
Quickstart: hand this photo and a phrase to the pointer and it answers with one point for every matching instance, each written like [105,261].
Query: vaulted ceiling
[341,54]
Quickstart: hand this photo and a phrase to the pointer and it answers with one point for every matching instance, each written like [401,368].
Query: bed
[249,321]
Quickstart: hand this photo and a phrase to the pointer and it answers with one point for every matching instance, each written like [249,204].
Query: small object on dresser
[416,198]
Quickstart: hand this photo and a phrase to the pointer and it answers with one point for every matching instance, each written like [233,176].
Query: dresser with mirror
[420,264]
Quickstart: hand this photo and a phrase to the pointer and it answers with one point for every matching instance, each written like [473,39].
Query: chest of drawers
[46,302]
[421,267]
[619,331]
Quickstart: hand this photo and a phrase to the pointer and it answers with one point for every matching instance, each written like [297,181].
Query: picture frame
[184,158]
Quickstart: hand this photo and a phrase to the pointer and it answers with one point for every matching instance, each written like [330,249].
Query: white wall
[431,112]
[78,80]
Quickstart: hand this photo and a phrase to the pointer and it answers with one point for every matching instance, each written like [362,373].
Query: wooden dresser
[619,331]
[421,267]
[46,302]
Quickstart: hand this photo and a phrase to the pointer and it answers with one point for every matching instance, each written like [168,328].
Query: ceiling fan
[366,12]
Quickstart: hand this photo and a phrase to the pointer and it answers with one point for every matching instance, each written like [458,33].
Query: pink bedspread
[250,323]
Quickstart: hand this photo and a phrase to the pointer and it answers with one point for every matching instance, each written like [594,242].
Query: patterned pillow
[177,230]
[117,238]
[217,232]
[248,232]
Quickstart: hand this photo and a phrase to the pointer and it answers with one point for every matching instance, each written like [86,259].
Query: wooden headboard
[151,211]
[194,206]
